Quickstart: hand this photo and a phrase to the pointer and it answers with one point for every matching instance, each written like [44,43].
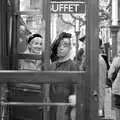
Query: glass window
[30,34]
[68,22]
[27,5]
[32,24]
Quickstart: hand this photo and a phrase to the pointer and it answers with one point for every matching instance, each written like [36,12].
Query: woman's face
[36,45]
[64,47]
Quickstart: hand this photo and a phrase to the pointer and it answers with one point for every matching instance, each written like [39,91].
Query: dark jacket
[60,92]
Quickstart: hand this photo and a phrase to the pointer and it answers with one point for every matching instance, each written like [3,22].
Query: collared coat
[102,81]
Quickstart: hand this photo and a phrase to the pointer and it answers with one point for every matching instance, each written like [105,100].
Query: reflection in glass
[70,23]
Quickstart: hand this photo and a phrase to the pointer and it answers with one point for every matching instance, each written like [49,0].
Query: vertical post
[92,59]
[46,15]
[4,114]
[77,37]
[80,100]
[77,33]
[3,53]
[13,61]
[13,51]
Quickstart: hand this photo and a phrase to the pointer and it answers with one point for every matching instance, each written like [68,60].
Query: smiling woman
[35,46]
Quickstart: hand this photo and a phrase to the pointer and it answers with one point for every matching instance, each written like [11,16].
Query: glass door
[54,61]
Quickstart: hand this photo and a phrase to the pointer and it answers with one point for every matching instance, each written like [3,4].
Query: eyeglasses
[64,44]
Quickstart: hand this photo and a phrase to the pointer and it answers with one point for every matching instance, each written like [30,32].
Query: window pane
[68,21]
[27,5]
[31,34]
[30,24]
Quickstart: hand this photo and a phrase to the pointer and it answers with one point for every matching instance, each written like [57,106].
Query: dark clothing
[60,92]
[24,92]
[67,65]
[116,101]
[81,59]
[106,60]
[115,71]
[26,112]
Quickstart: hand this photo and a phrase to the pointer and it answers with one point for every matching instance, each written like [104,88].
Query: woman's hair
[55,45]
[33,36]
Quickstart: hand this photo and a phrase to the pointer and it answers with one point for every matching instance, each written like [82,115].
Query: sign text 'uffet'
[67,7]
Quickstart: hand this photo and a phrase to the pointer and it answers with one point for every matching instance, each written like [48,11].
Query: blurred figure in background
[81,55]
[114,77]
[102,80]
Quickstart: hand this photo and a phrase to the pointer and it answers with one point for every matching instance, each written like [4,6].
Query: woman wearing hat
[34,46]
[60,56]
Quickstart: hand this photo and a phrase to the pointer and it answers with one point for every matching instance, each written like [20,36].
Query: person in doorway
[102,80]
[81,55]
[61,53]
[60,56]
[114,77]
[28,92]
